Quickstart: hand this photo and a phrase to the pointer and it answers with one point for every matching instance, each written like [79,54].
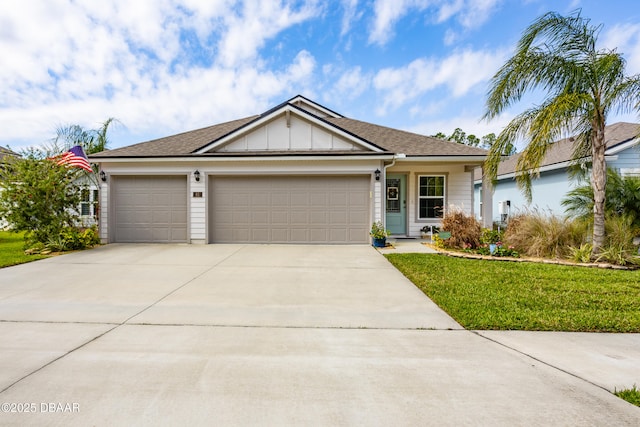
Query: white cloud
[351,15]
[387,13]
[82,62]
[625,38]
[351,84]
[258,21]
[459,72]
[468,13]
[476,12]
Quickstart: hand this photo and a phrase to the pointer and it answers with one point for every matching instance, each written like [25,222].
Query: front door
[396,204]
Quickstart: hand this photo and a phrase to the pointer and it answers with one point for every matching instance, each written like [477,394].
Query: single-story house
[297,173]
[622,154]
[5,154]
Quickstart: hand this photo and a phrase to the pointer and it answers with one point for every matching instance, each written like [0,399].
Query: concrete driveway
[277,335]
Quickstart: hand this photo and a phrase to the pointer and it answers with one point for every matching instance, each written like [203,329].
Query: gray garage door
[292,209]
[149,209]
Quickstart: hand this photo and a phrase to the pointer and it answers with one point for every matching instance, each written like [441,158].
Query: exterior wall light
[196,175]
[103,176]
[377,172]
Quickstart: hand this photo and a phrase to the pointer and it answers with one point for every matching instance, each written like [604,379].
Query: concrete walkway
[279,335]
[406,246]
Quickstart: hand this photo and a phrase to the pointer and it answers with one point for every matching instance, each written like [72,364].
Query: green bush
[619,248]
[72,238]
[38,196]
[490,236]
[581,253]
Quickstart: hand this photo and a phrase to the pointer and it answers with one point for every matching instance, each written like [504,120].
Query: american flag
[75,158]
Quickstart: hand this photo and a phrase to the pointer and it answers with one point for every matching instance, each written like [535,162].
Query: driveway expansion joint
[541,361]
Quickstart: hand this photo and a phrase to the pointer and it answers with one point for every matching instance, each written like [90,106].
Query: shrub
[490,236]
[72,238]
[536,234]
[581,253]
[619,247]
[464,229]
[378,231]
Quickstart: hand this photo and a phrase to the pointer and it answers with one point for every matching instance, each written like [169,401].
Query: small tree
[622,198]
[471,140]
[37,196]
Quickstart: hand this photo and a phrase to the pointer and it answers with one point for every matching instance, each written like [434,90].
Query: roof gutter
[200,159]
[547,168]
[449,159]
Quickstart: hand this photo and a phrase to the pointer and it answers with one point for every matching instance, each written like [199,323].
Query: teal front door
[396,204]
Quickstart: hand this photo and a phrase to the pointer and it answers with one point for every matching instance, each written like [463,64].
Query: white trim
[419,197]
[300,98]
[621,147]
[240,158]
[448,159]
[292,109]
[547,168]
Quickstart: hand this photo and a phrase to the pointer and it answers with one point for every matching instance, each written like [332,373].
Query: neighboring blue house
[623,154]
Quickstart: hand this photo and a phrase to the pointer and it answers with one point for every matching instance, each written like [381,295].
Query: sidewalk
[406,246]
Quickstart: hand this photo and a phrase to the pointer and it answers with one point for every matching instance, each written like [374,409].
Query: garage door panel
[279,218]
[289,209]
[300,236]
[150,209]
[278,235]
[318,218]
[260,217]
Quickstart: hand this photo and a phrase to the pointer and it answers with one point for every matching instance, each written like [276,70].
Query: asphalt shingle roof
[182,144]
[389,139]
[399,141]
[6,152]
[562,151]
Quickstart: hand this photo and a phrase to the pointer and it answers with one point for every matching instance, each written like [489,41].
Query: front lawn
[12,250]
[494,295]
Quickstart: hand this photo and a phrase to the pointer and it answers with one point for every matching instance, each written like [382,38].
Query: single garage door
[289,209]
[149,209]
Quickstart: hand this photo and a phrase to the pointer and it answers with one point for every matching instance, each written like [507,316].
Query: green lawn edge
[493,295]
[631,395]
[12,250]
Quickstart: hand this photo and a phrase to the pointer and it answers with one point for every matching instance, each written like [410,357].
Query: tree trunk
[598,183]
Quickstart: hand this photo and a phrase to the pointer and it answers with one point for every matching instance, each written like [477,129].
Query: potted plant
[379,234]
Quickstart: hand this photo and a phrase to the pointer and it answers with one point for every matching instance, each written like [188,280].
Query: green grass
[631,395]
[494,295]
[12,250]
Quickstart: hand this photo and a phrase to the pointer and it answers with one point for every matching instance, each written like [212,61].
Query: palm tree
[558,56]
[622,198]
[91,140]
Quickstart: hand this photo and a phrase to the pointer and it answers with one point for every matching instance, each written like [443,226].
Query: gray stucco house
[297,173]
[622,154]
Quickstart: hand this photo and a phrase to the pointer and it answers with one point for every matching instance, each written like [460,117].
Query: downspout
[384,180]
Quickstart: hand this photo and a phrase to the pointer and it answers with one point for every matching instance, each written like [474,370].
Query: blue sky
[166,66]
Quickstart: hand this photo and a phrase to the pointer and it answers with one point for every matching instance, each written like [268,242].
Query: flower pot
[379,243]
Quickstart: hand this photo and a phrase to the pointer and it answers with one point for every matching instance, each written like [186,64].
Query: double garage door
[260,209]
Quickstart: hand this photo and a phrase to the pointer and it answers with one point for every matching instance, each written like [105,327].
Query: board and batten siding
[284,134]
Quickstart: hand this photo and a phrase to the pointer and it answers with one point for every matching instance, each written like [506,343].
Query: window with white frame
[431,196]
[88,205]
